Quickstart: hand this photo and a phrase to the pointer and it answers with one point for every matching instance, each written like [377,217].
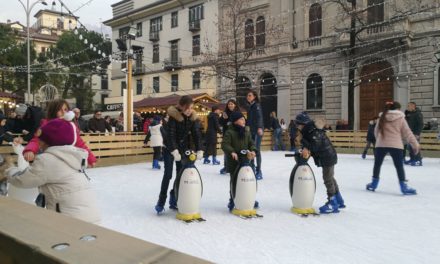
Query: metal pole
[129,95]
[28,56]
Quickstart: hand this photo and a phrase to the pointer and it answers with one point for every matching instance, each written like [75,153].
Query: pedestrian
[390,131]
[28,120]
[292,135]
[277,132]
[315,143]
[283,125]
[182,133]
[414,117]
[59,172]
[256,126]
[231,106]
[211,136]
[4,136]
[371,139]
[79,121]
[98,125]
[155,137]
[236,139]
[57,109]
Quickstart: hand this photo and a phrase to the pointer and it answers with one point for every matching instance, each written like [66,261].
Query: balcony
[315,41]
[172,64]
[194,26]
[139,70]
[154,36]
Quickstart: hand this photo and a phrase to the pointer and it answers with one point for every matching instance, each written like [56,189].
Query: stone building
[304,61]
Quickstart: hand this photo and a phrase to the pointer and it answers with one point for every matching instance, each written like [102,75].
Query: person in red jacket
[56,109]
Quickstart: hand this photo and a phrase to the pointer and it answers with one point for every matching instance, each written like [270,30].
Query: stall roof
[173,99]
[9,95]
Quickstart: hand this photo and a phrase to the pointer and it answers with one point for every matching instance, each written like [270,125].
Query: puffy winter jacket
[182,132]
[415,121]
[320,146]
[58,174]
[35,148]
[155,136]
[233,143]
[255,118]
[395,131]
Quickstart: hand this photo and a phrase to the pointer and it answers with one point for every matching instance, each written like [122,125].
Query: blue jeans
[168,160]
[396,155]
[257,140]
[278,140]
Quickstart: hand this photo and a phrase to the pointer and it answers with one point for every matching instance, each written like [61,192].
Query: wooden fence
[126,148]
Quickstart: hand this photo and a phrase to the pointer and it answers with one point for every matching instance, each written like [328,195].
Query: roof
[34,34]
[170,100]
[135,11]
[54,12]
[9,95]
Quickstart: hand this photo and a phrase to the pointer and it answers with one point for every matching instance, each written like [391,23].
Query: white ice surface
[380,227]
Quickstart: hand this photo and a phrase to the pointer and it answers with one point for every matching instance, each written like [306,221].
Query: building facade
[305,60]
[168,47]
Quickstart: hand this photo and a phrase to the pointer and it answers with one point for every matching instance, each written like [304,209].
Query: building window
[174,83]
[123,87]
[43,49]
[315,25]
[314,92]
[196,13]
[174,51]
[196,45]
[60,24]
[261,32]
[437,86]
[139,86]
[156,24]
[123,32]
[196,80]
[156,53]
[104,82]
[375,16]
[139,30]
[174,19]
[249,34]
[156,85]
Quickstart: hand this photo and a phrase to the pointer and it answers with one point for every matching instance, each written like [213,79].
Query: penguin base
[302,211]
[188,217]
[238,212]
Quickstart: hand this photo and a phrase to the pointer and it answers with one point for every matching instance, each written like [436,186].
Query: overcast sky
[90,15]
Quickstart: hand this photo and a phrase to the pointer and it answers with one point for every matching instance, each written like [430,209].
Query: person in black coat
[256,126]
[292,135]
[414,118]
[371,139]
[225,122]
[28,120]
[182,133]
[316,143]
[211,136]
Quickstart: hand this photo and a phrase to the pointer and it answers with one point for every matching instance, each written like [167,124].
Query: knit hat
[21,109]
[303,118]
[235,116]
[58,132]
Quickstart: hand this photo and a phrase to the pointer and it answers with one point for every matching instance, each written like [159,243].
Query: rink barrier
[29,234]
[127,148]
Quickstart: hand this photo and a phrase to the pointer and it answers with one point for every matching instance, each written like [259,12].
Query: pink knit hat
[58,132]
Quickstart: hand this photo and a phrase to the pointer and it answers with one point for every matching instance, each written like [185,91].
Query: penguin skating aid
[188,190]
[302,186]
[244,187]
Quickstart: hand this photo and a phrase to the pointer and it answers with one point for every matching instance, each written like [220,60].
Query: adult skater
[414,117]
[256,125]
[211,136]
[155,137]
[316,143]
[390,132]
[371,139]
[182,132]
[225,122]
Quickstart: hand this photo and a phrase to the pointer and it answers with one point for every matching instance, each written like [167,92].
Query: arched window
[375,15]
[437,85]
[249,34]
[315,24]
[314,91]
[261,31]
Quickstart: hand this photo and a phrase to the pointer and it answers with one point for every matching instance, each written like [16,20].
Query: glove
[199,154]
[176,155]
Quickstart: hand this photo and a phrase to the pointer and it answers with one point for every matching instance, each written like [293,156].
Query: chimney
[8,21]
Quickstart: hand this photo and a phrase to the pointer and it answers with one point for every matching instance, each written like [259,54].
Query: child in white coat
[59,174]
[155,137]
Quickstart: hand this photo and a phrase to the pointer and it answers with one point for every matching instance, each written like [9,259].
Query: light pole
[28,10]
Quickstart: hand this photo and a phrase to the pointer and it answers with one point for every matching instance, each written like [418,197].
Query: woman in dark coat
[211,136]
[225,122]
[256,126]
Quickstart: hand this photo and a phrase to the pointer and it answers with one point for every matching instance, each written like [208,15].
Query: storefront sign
[113,107]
